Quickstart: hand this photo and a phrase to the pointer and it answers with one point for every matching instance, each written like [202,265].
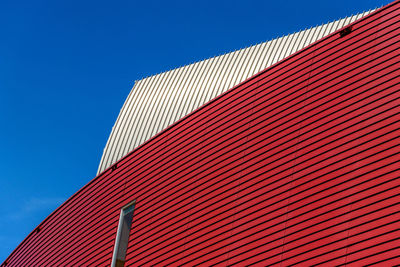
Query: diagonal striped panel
[158,101]
[298,165]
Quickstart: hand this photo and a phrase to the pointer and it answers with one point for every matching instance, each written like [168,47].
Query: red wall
[299,164]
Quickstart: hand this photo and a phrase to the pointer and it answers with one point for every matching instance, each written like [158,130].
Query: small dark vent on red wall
[346,31]
[114,167]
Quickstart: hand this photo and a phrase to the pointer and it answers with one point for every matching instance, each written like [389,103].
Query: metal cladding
[298,165]
[158,101]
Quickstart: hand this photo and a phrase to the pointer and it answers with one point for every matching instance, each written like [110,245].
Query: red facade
[297,165]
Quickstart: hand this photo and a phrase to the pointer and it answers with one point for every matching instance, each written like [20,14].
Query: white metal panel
[158,101]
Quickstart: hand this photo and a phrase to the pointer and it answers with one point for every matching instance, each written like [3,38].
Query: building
[297,163]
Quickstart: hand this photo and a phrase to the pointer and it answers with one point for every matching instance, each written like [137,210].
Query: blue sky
[66,68]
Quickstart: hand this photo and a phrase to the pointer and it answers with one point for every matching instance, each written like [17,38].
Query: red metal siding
[297,165]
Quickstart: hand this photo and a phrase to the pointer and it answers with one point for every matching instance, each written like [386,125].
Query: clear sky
[66,68]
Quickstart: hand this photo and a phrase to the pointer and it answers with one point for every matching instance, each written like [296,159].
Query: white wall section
[157,101]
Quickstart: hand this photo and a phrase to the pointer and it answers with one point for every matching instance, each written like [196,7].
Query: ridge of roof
[159,100]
